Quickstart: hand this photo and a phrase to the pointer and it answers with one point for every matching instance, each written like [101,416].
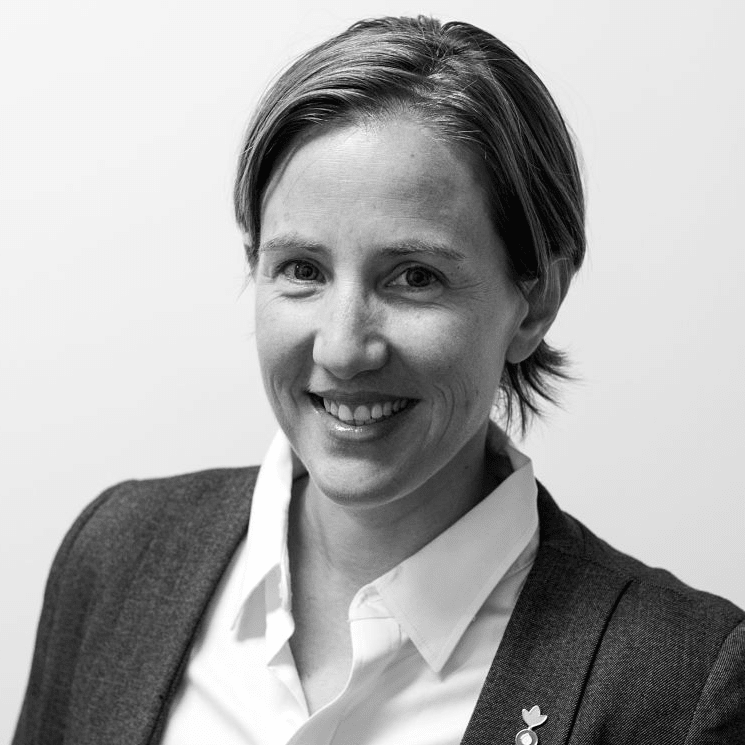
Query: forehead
[394,175]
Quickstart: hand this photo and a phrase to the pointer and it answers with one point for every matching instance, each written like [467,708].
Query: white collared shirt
[423,635]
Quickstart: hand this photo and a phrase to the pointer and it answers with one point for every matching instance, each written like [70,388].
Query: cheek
[456,354]
[280,340]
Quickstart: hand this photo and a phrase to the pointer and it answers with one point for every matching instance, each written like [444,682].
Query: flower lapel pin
[532,718]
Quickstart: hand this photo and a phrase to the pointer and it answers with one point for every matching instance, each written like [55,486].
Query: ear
[544,301]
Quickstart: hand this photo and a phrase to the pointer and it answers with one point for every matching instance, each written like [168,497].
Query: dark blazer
[612,651]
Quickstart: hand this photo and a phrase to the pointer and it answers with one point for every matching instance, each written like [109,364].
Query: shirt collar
[469,559]
[266,548]
[267,562]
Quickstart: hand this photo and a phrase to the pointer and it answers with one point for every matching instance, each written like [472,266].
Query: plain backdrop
[126,331]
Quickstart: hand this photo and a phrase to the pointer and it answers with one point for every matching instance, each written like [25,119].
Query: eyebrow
[408,247]
[289,243]
[428,248]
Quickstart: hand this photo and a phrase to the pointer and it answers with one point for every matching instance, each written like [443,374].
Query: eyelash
[290,270]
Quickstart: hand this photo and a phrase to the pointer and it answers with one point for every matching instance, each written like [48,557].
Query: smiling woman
[393,573]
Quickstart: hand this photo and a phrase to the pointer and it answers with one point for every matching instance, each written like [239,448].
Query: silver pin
[532,718]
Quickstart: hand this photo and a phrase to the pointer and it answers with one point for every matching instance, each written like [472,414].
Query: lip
[355,398]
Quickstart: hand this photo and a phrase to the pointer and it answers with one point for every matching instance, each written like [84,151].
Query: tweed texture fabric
[612,651]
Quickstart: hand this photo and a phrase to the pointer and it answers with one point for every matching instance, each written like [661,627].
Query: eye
[417,277]
[301,271]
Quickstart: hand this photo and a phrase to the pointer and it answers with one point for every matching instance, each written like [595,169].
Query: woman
[413,215]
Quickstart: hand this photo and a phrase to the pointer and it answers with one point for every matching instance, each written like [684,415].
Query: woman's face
[384,310]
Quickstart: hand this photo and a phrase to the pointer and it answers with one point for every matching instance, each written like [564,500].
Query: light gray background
[126,343]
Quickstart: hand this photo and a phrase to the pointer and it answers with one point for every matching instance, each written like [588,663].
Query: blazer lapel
[176,575]
[550,643]
[201,579]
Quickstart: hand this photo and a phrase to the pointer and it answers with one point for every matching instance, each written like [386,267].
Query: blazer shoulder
[651,587]
[135,513]
[172,494]
[131,554]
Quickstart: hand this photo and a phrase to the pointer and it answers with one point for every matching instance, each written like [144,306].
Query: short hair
[471,90]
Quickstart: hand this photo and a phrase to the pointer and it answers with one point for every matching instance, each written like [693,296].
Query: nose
[349,337]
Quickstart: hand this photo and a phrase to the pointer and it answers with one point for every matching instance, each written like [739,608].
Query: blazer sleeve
[720,713]
[44,709]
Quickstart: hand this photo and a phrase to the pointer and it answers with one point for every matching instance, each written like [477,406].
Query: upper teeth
[364,413]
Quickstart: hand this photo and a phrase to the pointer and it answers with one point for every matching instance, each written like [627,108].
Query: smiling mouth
[361,414]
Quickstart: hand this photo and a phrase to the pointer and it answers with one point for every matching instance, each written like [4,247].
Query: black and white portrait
[387,335]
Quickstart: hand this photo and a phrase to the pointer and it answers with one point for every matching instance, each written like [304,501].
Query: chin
[358,487]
